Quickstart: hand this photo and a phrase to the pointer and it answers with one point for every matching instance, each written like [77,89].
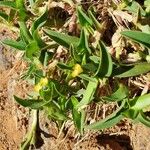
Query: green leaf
[25,34]
[105,65]
[15,44]
[88,94]
[38,39]
[32,49]
[86,77]
[53,110]
[97,25]
[10,4]
[62,39]
[109,121]
[130,71]
[133,8]
[39,22]
[47,93]
[4,16]
[143,119]
[74,54]
[95,59]
[137,36]
[29,72]
[21,10]
[141,102]
[12,15]
[106,123]
[78,117]
[83,43]
[63,66]
[131,113]
[121,93]
[31,103]
[84,20]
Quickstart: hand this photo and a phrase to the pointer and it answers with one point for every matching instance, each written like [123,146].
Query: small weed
[58,78]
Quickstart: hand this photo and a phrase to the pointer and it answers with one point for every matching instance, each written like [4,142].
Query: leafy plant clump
[68,70]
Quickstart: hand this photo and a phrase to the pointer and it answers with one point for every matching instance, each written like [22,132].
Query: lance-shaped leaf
[121,93]
[62,39]
[21,10]
[38,39]
[130,71]
[105,66]
[143,119]
[137,36]
[4,16]
[130,113]
[74,54]
[78,116]
[109,121]
[53,111]
[88,94]
[97,25]
[12,15]
[25,34]
[47,93]
[133,8]
[32,49]
[141,102]
[20,45]
[84,20]
[10,4]
[31,103]
[39,22]
[83,46]
[86,77]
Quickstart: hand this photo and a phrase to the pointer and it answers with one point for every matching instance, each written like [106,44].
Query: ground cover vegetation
[74,53]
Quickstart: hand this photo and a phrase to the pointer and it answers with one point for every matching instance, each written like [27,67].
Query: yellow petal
[37,87]
[77,70]
[43,81]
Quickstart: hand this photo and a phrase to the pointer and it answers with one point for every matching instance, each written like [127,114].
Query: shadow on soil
[115,142]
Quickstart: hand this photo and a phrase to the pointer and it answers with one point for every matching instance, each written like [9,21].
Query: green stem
[31,136]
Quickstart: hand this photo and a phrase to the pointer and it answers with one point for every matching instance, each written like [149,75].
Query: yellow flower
[43,81]
[76,70]
[37,87]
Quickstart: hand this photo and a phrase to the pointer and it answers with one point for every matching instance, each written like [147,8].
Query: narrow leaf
[137,36]
[39,22]
[94,20]
[78,117]
[31,103]
[83,43]
[25,34]
[141,102]
[38,39]
[130,71]
[83,18]
[88,94]
[133,8]
[105,65]
[109,121]
[121,93]
[62,39]
[4,16]
[15,44]
[32,49]
[143,119]
[10,4]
